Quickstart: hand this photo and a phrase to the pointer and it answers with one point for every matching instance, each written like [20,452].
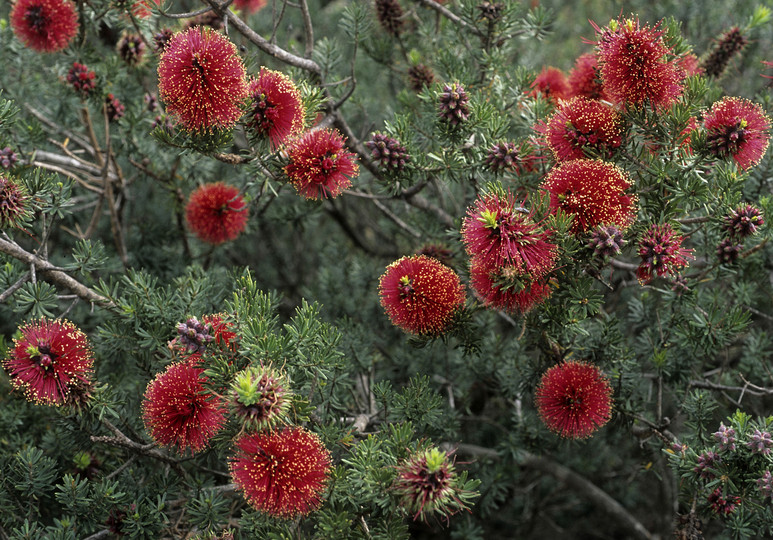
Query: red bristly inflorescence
[581,125]
[498,231]
[277,109]
[551,84]
[179,411]
[420,294]
[51,362]
[574,399]
[320,165]
[584,79]
[593,191]
[14,201]
[281,472]
[506,288]
[216,213]
[661,251]
[635,66]
[250,6]
[202,80]
[44,25]
[739,129]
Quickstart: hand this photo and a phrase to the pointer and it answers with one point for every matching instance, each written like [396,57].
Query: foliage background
[679,364]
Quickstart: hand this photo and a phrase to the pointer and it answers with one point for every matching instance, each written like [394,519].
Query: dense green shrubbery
[94,229]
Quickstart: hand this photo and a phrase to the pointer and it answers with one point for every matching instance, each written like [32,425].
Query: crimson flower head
[498,231]
[44,25]
[282,472]
[584,79]
[551,83]
[216,213]
[277,109]
[202,79]
[222,330]
[260,397]
[574,399]
[582,124]
[427,485]
[593,191]
[179,411]
[250,6]
[661,252]
[737,128]
[14,202]
[635,66]
[420,294]
[51,363]
[744,221]
[320,165]
[507,288]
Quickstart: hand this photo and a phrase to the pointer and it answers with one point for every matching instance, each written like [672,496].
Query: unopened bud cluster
[194,336]
[82,79]
[742,222]
[8,158]
[731,43]
[606,241]
[454,104]
[388,153]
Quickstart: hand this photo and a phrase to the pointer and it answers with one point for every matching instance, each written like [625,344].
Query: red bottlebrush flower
[82,79]
[51,363]
[260,398]
[551,83]
[427,485]
[743,221]
[142,8]
[216,213]
[44,25]
[634,65]
[202,79]
[282,473]
[593,191]
[320,165]
[582,124]
[131,48]
[574,399]
[584,79]
[738,128]
[661,252]
[250,6]
[507,288]
[13,202]
[420,294]
[498,231]
[731,43]
[277,109]
[179,411]
[114,108]
[689,64]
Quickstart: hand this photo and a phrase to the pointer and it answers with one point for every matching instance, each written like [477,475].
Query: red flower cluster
[282,473]
[551,83]
[250,6]
[509,253]
[593,191]
[582,124]
[634,64]
[574,399]
[320,166]
[277,109]
[216,213]
[584,79]
[737,128]
[51,362]
[44,25]
[202,80]
[420,294]
[661,252]
[179,411]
